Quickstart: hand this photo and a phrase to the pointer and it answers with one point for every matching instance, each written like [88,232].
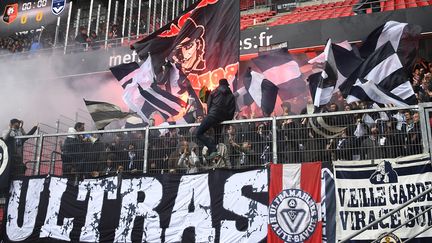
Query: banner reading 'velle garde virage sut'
[366,192]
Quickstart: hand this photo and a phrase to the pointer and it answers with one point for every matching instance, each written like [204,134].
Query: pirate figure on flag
[189,53]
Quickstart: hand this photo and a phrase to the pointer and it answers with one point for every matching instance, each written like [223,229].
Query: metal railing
[348,135]
[345,135]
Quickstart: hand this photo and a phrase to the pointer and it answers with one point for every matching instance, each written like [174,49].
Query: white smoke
[32,90]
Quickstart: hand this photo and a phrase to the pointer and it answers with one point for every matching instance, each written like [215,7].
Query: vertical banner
[295,203]
[328,206]
[366,192]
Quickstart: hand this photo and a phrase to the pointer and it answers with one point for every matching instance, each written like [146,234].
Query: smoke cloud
[32,90]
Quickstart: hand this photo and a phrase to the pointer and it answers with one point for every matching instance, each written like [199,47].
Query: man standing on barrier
[220,107]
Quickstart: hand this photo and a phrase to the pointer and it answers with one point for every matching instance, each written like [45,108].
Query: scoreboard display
[23,15]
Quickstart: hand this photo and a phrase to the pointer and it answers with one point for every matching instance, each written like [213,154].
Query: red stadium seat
[389,5]
[400,4]
[333,10]
[410,3]
[422,3]
[255,18]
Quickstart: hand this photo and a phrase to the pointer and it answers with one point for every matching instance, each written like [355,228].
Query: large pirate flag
[202,44]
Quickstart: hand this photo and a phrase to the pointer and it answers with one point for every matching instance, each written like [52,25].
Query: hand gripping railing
[390,214]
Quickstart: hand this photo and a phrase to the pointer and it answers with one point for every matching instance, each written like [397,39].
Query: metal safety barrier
[362,134]
[346,135]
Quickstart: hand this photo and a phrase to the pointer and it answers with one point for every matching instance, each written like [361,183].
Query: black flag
[203,43]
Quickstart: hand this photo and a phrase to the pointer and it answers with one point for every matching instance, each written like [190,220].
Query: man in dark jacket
[16,145]
[73,150]
[220,107]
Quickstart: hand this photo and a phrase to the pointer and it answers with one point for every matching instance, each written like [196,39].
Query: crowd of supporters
[246,144]
[331,137]
[20,43]
[422,81]
[83,41]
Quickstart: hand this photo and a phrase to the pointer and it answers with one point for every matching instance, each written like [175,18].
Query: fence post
[54,159]
[38,154]
[424,125]
[274,140]
[146,141]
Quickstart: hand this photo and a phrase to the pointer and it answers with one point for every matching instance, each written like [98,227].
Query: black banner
[203,43]
[218,206]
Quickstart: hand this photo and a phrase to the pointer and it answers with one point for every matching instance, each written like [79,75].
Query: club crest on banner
[10,13]
[58,6]
[4,157]
[293,215]
[384,174]
[389,238]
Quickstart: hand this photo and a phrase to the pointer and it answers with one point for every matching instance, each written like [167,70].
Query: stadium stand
[319,12]
[255,18]
[248,4]
[253,13]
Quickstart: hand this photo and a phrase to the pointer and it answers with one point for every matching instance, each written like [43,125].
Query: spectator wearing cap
[221,107]
[15,145]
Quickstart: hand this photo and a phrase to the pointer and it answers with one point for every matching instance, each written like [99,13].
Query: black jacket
[221,104]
